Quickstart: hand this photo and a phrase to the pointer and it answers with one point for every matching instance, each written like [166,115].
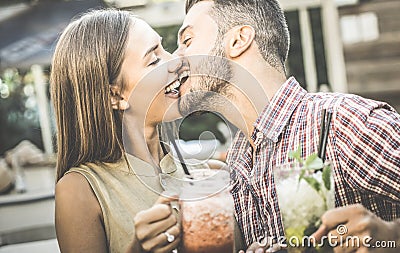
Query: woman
[101,203]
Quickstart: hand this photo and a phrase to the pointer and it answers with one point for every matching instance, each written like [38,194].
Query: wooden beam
[44,113]
[290,5]
[333,47]
[307,44]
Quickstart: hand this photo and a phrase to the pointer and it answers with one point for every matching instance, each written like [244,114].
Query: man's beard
[210,79]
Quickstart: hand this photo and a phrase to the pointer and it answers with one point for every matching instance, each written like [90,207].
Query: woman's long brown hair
[87,60]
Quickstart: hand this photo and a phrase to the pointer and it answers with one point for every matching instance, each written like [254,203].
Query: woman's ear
[241,39]
[117,101]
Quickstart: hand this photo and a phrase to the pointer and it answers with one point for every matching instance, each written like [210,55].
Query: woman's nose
[175,64]
[178,52]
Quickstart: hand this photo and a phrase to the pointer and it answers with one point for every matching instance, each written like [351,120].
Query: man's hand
[346,226]
[156,228]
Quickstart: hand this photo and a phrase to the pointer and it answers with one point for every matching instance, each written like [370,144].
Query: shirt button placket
[256,151]
[259,138]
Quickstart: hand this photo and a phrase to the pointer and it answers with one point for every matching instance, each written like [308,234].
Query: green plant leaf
[326,177]
[296,154]
[313,162]
[302,173]
[311,159]
[313,183]
[301,176]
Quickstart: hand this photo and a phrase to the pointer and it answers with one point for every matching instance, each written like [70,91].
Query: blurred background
[336,45]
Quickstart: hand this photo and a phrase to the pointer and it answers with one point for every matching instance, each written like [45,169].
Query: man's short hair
[265,16]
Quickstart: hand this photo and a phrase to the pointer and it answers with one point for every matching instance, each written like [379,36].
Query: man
[363,144]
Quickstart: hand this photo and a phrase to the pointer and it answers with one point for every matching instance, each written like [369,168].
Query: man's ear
[117,101]
[241,39]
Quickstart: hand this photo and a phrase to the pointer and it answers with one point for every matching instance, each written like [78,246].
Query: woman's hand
[156,228]
[217,165]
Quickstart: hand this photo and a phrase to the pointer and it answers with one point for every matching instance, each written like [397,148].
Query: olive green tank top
[122,191]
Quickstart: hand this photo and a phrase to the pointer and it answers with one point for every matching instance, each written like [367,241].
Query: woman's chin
[171,113]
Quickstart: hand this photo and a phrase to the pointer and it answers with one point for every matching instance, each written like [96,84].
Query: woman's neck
[153,143]
[143,142]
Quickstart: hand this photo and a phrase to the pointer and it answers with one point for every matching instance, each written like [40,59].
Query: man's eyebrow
[153,48]
[182,30]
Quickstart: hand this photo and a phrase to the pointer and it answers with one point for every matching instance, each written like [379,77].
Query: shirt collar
[276,115]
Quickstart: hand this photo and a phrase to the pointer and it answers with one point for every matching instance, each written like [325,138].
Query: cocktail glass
[304,195]
[207,213]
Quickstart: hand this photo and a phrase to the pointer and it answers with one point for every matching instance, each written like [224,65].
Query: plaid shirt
[363,148]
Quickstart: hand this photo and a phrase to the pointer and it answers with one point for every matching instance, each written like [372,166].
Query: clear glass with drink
[304,195]
[207,213]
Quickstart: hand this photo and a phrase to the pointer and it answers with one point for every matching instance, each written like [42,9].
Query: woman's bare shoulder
[74,188]
[79,223]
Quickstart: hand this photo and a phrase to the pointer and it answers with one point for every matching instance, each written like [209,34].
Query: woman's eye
[155,62]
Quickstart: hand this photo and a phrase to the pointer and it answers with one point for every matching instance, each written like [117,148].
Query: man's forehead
[197,13]
[201,2]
